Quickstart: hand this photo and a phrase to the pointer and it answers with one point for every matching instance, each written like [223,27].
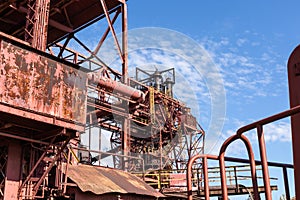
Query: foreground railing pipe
[264,162]
[286,183]
[205,174]
[252,165]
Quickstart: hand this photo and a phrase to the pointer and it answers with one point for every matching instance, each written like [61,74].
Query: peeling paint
[40,84]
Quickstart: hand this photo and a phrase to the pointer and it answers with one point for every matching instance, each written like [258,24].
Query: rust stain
[40,84]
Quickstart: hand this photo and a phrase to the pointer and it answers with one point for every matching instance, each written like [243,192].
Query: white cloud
[280,131]
[249,65]
[241,41]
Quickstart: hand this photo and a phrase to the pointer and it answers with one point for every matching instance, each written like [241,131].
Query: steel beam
[294,91]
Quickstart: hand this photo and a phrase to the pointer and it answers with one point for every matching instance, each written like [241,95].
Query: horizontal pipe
[257,162]
[270,119]
[116,87]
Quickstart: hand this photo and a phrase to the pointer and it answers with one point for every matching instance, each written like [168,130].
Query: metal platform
[217,191]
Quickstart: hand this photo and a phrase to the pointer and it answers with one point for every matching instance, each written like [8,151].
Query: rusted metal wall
[102,180]
[37,83]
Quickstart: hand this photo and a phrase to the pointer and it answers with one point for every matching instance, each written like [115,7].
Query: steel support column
[126,122]
[286,183]
[37,23]
[294,82]
[264,161]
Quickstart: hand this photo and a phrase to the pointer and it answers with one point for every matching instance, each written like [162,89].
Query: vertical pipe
[100,145]
[253,168]
[189,176]
[205,174]
[294,91]
[230,177]
[206,183]
[252,165]
[264,162]
[160,148]
[125,142]
[236,180]
[125,42]
[126,122]
[90,137]
[223,176]
[286,183]
[198,181]
[158,180]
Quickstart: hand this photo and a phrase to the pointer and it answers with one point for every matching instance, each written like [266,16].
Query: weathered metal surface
[34,82]
[100,180]
[294,94]
[37,23]
[13,170]
[116,87]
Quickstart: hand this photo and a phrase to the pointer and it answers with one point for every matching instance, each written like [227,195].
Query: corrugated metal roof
[100,180]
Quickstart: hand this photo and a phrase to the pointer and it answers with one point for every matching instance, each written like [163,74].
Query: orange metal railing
[262,148]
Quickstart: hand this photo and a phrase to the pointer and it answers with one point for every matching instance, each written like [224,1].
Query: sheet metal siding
[100,180]
[36,83]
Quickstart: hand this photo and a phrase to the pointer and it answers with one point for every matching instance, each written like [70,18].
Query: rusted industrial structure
[51,94]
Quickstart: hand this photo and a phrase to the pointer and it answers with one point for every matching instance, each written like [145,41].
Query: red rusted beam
[252,165]
[124,42]
[294,110]
[124,56]
[206,182]
[294,91]
[257,162]
[264,162]
[37,23]
[189,174]
[286,183]
[106,33]
[104,7]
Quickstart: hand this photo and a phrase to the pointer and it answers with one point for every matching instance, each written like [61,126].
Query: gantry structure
[50,94]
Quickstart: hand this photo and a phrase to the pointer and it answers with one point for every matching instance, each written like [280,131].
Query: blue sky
[237,47]
[250,42]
